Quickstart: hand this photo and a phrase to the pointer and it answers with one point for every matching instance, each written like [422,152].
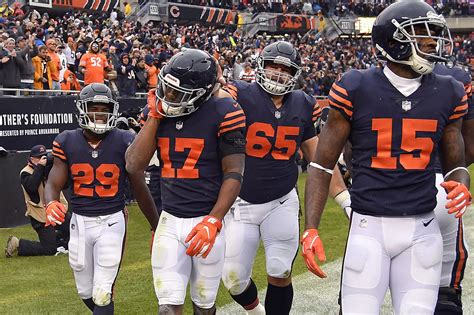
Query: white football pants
[276,223]
[173,268]
[95,252]
[400,253]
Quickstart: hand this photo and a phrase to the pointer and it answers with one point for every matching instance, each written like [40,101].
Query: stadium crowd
[41,52]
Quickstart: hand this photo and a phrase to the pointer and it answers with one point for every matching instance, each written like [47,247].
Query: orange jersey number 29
[106,174]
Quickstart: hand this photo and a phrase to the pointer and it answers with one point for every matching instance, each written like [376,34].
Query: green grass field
[45,285]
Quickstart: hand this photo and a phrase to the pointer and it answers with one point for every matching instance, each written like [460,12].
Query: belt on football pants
[81,246]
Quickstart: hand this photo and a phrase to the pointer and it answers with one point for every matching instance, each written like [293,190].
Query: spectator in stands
[70,82]
[114,57]
[127,9]
[94,65]
[42,66]
[17,11]
[248,75]
[152,72]
[141,76]
[127,84]
[33,177]
[70,52]
[5,10]
[11,65]
[27,51]
[56,67]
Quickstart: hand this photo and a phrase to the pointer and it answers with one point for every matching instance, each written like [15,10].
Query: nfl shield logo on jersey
[95,154]
[179,125]
[406,105]
[277,114]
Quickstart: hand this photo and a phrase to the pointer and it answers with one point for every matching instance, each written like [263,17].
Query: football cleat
[12,246]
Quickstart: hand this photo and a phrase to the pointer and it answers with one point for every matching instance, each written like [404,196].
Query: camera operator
[33,177]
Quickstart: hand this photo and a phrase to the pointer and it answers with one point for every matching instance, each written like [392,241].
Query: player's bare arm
[144,199]
[468,132]
[57,179]
[55,210]
[232,166]
[336,185]
[456,178]
[141,150]
[453,156]
[331,141]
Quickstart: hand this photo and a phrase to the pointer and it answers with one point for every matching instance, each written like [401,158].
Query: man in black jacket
[11,64]
[33,177]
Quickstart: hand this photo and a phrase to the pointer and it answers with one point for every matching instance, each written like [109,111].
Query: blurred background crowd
[63,53]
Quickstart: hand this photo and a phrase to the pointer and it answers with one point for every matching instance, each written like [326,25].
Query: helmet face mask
[176,100]
[270,75]
[90,105]
[188,80]
[399,37]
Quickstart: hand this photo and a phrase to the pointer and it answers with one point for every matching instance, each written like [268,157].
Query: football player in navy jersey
[395,118]
[279,122]
[455,250]
[199,132]
[93,159]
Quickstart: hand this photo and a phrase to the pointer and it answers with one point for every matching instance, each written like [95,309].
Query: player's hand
[311,244]
[459,196]
[203,236]
[55,213]
[154,105]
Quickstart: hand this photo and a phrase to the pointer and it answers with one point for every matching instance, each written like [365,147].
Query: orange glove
[154,105]
[203,236]
[312,244]
[459,195]
[55,213]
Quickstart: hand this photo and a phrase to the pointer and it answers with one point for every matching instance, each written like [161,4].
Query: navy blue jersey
[97,175]
[273,139]
[395,138]
[188,150]
[462,76]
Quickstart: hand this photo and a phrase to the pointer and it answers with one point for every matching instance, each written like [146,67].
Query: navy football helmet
[278,82]
[187,81]
[95,94]
[396,32]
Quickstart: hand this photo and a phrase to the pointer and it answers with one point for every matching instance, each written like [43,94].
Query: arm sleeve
[341,96]
[460,105]
[315,112]
[58,147]
[233,116]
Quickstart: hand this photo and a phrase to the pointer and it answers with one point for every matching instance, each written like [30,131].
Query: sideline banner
[28,121]
[205,15]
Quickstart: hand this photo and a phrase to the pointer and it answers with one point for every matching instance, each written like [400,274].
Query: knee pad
[278,267]
[449,302]
[234,280]
[101,297]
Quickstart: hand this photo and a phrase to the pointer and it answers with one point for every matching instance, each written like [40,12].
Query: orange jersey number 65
[106,174]
[259,146]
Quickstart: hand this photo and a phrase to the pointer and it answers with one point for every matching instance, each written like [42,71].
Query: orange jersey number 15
[410,143]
